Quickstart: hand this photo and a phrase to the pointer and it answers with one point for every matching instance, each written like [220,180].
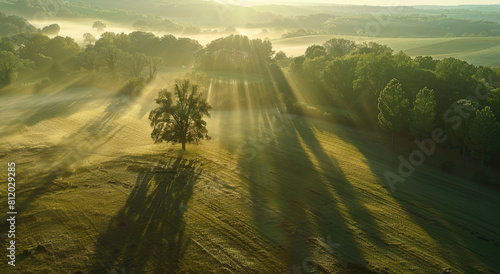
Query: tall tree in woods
[484,134]
[423,113]
[393,108]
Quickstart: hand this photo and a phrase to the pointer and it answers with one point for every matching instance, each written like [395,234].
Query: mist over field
[249,136]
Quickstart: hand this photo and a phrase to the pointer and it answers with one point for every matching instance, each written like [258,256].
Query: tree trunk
[463,156]
[183,146]
[393,140]
[482,160]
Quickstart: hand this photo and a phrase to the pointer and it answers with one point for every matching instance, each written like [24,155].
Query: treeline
[12,24]
[236,53]
[386,25]
[29,56]
[407,95]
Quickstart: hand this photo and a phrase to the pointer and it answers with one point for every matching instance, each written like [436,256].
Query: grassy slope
[257,197]
[477,50]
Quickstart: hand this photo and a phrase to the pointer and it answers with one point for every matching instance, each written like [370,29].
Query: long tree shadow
[452,211]
[338,181]
[61,159]
[293,206]
[147,235]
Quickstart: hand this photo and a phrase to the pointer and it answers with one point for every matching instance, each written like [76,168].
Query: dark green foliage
[135,64]
[9,64]
[174,52]
[6,45]
[393,108]
[282,60]
[61,48]
[180,120]
[153,66]
[457,77]
[236,53]
[484,134]
[12,24]
[458,119]
[110,56]
[426,62]
[339,76]
[494,102]
[339,47]
[31,44]
[315,51]
[423,113]
[373,72]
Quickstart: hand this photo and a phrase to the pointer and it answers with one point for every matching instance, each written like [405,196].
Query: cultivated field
[269,193]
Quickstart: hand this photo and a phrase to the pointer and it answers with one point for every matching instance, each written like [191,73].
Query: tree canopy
[423,113]
[235,53]
[393,108]
[484,134]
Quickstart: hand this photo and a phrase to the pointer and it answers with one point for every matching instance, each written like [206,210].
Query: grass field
[269,193]
[476,50]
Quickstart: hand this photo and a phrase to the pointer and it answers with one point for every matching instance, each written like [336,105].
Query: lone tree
[393,108]
[98,25]
[180,121]
[423,114]
[484,134]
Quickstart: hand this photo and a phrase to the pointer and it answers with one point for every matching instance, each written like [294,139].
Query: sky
[391,2]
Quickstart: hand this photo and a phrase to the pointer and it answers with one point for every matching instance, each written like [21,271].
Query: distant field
[477,50]
[269,193]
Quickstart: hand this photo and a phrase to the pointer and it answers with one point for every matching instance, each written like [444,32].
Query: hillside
[258,197]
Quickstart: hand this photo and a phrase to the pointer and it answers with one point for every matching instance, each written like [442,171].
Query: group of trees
[13,24]
[408,95]
[138,54]
[173,51]
[235,53]
[32,54]
[468,124]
